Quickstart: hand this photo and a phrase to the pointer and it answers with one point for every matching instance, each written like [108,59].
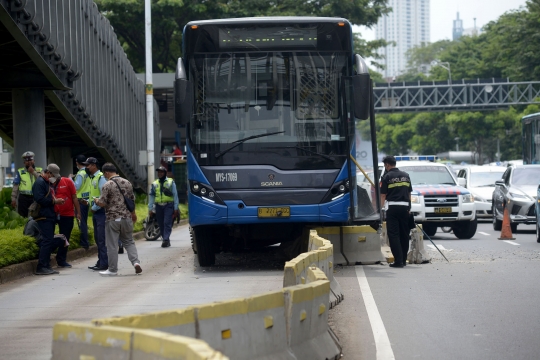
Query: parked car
[517,191]
[480,181]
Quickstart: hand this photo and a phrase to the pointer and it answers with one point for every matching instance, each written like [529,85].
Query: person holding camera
[396,188]
[25,178]
[165,197]
[120,220]
[44,196]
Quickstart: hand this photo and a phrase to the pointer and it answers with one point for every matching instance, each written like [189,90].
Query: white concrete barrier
[354,245]
[73,340]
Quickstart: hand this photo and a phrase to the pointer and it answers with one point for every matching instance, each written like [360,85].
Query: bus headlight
[204,192]
[467,198]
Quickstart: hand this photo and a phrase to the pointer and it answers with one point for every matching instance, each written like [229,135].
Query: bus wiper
[238,142]
[310,151]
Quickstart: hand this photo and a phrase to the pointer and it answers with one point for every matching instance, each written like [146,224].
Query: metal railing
[97,90]
[463,95]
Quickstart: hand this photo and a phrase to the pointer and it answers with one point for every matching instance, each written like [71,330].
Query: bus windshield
[287,103]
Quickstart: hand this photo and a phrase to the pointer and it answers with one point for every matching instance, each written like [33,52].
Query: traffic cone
[506,230]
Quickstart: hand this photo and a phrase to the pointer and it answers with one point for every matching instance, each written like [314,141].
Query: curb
[27,268]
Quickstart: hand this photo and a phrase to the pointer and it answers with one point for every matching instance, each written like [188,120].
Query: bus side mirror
[362,95]
[183,101]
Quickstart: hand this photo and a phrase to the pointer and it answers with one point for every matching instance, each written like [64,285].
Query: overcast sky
[443,12]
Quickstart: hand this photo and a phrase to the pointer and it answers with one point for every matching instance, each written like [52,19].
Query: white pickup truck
[439,200]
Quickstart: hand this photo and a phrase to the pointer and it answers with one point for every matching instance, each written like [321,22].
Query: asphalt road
[171,278]
[483,304]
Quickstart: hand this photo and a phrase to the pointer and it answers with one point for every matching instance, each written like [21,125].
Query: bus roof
[269,19]
[530,116]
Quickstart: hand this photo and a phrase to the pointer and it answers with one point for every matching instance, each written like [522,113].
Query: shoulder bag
[130,204]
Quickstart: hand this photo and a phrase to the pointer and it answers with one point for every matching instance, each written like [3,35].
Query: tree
[170,16]
[422,56]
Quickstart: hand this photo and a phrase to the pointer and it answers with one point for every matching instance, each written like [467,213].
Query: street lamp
[457,143]
[444,65]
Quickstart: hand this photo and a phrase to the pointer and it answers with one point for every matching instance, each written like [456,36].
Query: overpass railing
[95,87]
[463,95]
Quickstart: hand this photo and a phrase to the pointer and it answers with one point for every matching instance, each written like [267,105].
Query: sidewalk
[27,268]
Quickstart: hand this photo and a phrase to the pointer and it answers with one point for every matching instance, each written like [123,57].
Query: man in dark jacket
[46,220]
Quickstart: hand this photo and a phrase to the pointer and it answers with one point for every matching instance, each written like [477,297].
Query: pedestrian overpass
[67,87]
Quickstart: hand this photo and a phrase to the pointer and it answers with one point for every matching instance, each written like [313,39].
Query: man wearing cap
[97,180]
[44,195]
[163,193]
[396,189]
[25,177]
[120,220]
[83,186]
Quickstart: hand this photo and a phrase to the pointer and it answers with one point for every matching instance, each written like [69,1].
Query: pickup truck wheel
[429,229]
[465,229]
[202,239]
[497,224]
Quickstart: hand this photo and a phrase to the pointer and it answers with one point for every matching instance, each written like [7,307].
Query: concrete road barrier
[73,340]
[418,254]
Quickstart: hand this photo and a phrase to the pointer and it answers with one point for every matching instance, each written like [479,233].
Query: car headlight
[479,198]
[517,196]
[467,198]
[415,199]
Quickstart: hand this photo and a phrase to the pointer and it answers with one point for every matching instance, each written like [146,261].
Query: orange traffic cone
[506,230]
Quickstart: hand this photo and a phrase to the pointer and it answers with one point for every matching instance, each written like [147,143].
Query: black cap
[390,160]
[90,160]
[161,168]
[80,159]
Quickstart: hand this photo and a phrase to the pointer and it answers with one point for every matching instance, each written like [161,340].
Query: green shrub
[5,197]
[16,247]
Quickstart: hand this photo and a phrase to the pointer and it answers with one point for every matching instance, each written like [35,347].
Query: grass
[16,247]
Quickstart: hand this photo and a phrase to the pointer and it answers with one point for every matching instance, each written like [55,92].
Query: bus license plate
[443,210]
[274,212]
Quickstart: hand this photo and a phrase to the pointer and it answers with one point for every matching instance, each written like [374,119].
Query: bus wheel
[202,239]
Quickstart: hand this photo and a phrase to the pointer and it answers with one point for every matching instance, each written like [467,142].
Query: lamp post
[149,93]
[457,143]
[444,65]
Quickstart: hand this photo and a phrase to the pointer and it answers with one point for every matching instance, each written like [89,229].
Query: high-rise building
[457,30]
[408,26]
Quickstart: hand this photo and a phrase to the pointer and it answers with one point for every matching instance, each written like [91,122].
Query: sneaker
[94,267]
[108,273]
[165,243]
[64,265]
[46,271]
[120,249]
[138,268]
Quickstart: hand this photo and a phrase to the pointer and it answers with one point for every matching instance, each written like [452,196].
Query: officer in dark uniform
[396,189]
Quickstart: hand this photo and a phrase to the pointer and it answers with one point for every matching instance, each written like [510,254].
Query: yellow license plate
[443,210]
[274,212]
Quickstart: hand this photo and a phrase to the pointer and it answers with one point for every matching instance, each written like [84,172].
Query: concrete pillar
[61,156]
[29,126]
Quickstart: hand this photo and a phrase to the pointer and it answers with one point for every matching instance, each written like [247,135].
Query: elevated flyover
[67,87]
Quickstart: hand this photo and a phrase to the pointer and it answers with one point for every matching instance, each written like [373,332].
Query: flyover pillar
[29,125]
[61,156]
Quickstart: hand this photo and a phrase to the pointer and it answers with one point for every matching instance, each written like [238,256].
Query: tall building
[408,26]
[457,30]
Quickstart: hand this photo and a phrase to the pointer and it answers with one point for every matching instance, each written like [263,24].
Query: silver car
[480,181]
[517,191]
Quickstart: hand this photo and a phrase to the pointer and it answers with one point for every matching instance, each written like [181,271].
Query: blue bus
[531,138]
[270,106]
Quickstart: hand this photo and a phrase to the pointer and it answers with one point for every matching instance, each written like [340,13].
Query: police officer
[396,189]
[97,180]
[83,186]
[25,177]
[163,193]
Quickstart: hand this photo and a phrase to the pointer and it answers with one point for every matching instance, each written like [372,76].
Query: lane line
[483,233]
[382,342]
[511,242]
[432,247]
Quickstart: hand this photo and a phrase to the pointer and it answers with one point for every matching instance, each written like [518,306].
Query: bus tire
[204,245]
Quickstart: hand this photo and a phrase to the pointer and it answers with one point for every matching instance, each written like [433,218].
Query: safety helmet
[28,154]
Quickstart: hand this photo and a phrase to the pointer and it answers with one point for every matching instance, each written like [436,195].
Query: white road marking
[511,242]
[483,233]
[382,342]
[432,247]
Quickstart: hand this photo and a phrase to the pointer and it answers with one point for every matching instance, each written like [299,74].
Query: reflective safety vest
[160,196]
[27,181]
[84,190]
[94,184]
